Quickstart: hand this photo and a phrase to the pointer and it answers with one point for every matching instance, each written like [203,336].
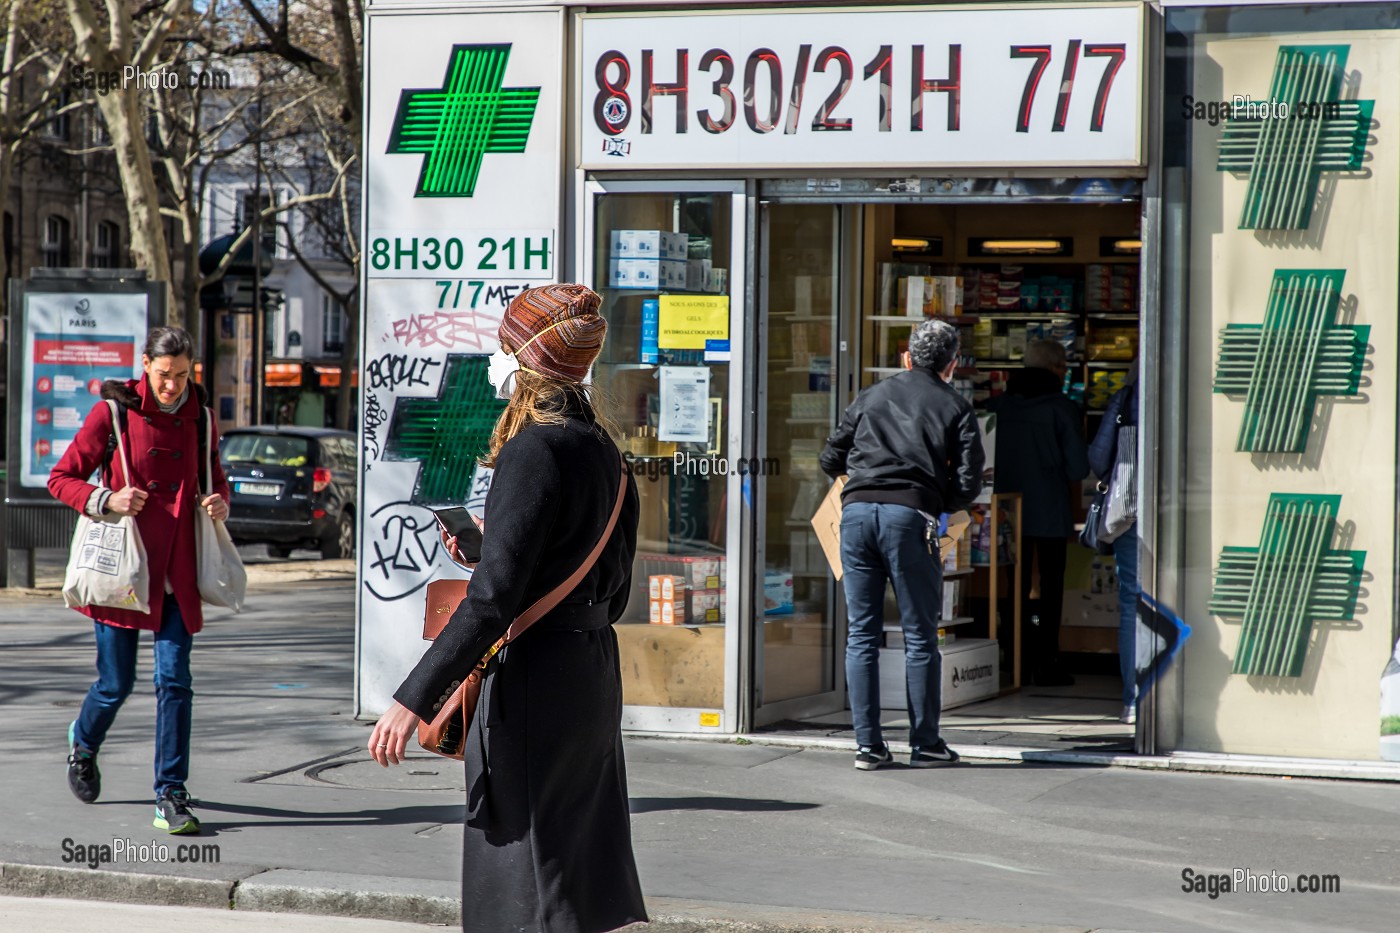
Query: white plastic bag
[107,560]
[222,579]
[1120,507]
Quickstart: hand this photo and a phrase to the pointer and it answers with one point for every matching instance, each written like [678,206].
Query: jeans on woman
[883,543]
[116,676]
[1125,552]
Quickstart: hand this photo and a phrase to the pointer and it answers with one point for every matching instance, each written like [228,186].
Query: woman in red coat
[166,454]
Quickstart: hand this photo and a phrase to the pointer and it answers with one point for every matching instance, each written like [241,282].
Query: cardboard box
[827,524]
[665,586]
[666,611]
[705,606]
[971,672]
[651,331]
[649,244]
[646,273]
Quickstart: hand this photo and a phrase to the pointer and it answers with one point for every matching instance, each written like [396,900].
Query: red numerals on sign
[612,108]
[1041,55]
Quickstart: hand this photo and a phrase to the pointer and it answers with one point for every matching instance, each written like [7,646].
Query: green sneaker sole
[188,829]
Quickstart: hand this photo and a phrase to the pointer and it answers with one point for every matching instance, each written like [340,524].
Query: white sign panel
[938,88]
[462,198]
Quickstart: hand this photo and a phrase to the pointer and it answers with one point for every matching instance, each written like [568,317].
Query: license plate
[257,489]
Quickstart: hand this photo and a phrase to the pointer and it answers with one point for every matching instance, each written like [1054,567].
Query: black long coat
[548,840]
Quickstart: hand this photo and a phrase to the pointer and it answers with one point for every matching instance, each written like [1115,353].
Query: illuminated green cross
[446,434]
[470,115]
[1285,156]
[1297,354]
[1291,579]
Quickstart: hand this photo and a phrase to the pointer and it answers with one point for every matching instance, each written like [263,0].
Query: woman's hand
[215,506]
[390,735]
[449,544]
[130,501]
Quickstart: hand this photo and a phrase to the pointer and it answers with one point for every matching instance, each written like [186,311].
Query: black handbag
[1094,523]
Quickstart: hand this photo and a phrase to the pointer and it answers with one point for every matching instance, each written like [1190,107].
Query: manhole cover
[416,773]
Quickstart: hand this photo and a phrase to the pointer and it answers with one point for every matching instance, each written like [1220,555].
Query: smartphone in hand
[458,523]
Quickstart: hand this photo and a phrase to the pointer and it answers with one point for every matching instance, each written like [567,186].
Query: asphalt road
[280,767]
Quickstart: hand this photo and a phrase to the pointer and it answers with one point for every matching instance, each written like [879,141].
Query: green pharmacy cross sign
[455,126]
[1291,579]
[1287,142]
[1297,354]
[446,434]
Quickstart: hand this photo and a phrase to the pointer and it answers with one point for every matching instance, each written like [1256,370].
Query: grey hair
[933,344]
[169,341]
[1045,354]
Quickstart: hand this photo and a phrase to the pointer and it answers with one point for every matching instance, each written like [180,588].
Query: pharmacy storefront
[1277,539]
[768,198]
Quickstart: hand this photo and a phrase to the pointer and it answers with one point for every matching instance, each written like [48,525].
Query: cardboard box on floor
[827,524]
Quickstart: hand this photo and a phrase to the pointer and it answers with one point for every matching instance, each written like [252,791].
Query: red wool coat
[164,454]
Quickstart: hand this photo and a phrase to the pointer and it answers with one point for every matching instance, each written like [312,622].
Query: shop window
[57,242]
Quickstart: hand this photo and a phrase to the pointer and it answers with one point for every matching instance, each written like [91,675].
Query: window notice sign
[687,322]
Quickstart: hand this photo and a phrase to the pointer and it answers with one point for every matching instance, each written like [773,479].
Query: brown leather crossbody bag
[447,733]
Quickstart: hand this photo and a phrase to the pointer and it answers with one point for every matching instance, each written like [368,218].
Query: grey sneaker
[1129,714]
[84,780]
[937,757]
[872,759]
[173,814]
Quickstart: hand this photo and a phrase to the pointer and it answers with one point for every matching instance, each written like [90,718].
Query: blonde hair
[542,400]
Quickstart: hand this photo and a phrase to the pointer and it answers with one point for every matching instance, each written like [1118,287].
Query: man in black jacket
[911,449]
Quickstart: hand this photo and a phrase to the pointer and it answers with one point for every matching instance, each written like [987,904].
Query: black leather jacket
[909,439]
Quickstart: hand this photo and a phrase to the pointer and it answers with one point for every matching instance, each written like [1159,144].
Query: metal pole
[259,321]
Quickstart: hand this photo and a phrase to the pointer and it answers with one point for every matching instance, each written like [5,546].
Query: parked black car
[292,487]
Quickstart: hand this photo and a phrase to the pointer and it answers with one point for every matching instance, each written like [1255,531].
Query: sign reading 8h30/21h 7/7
[1021,87]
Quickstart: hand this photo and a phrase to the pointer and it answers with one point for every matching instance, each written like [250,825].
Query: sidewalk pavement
[729,836]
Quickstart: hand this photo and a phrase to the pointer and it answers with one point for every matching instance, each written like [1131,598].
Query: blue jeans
[1125,552]
[883,543]
[116,676]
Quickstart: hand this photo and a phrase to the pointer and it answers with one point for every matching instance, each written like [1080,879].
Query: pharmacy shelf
[627,365]
[1109,364]
[895,319]
[942,623]
[1031,316]
[1112,316]
[807,420]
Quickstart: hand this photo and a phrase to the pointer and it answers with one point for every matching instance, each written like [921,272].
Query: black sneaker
[84,780]
[871,759]
[173,814]
[937,757]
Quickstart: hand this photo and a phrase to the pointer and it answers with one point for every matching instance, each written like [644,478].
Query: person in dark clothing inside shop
[1040,452]
[911,449]
[548,841]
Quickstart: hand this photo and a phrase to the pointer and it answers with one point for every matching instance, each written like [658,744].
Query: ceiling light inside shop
[1024,247]
[1127,246]
[918,244]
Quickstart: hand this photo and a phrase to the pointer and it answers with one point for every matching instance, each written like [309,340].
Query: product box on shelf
[971,671]
[646,273]
[666,586]
[666,611]
[705,606]
[777,593]
[697,274]
[649,244]
[651,331]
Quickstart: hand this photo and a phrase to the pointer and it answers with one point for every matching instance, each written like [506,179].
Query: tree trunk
[349,360]
[149,250]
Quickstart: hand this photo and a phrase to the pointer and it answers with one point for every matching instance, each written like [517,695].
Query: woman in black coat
[548,844]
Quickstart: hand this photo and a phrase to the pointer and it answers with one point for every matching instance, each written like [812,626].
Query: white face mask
[500,372]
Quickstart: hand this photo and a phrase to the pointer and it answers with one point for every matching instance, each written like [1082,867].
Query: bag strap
[548,601]
[208,444]
[121,447]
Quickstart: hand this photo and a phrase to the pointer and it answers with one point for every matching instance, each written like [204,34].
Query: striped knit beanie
[555,330]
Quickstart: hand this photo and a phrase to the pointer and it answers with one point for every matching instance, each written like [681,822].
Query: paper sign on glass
[687,321]
[685,403]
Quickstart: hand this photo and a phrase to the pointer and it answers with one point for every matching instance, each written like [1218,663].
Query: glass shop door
[803,367]
[668,258]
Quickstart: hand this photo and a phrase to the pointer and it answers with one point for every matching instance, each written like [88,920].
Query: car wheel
[278,551]
[342,543]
